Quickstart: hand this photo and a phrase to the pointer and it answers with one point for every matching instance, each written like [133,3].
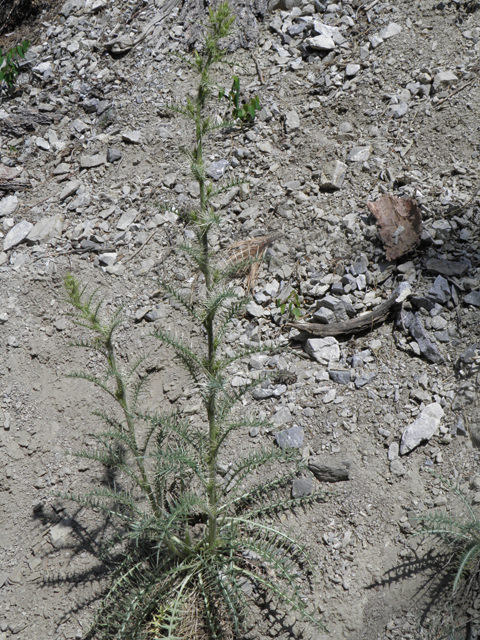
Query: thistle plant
[461,535]
[199,549]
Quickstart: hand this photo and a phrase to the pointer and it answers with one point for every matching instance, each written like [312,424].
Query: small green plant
[461,534]
[291,304]
[9,68]
[106,119]
[198,549]
[244,111]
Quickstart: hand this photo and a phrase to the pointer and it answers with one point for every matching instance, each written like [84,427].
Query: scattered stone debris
[362,105]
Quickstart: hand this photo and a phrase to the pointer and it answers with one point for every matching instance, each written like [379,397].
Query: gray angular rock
[455,268]
[443,80]
[256,310]
[427,348]
[290,438]
[340,377]
[422,428]
[17,234]
[127,218]
[375,40]
[292,121]
[333,175]
[113,155]
[46,229]
[302,486]
[258,361]
[397,467]
[440,292]
[108,259]
[42,144]
[362,380]
[351,70]
[262,394]
[81,201]
[397,110]
[71,6]
[69,189]
[61,169]
[8,206]
[133,137]
[325,471]
[60,531]
[217,169]
[393,450]
[324,316]
[281,416]
[102,106]
[89,162]
[472,298]
[79,126]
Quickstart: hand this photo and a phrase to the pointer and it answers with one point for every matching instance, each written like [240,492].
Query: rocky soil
[358,100]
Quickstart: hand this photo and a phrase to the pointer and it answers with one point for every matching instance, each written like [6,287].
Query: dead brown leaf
[400,224]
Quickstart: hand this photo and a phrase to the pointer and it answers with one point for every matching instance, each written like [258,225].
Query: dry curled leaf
[400,224]
[247,255]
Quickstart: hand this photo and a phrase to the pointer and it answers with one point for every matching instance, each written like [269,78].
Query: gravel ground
[358,100]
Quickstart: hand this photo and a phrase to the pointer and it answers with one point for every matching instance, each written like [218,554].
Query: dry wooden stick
[138,250]
[355,325]
[458,209]
[454,92]
[259,71]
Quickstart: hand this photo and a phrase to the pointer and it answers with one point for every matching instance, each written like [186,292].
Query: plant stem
[123,400]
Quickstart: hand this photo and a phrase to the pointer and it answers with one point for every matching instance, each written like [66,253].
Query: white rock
[239,381]
[42,144]
[8,205]
[422,428]
[292,121]
[57,144]
[265,147]
[375,40]
[393,29]
[258,361]
[108,259]
[359,154]
[46,229]
[351,70]
[89,162]
[256,310]
[43,67]
[324,350]
[321,29]
[127,218]
[322,43]
[443,80]
[17,234]
[131,136]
